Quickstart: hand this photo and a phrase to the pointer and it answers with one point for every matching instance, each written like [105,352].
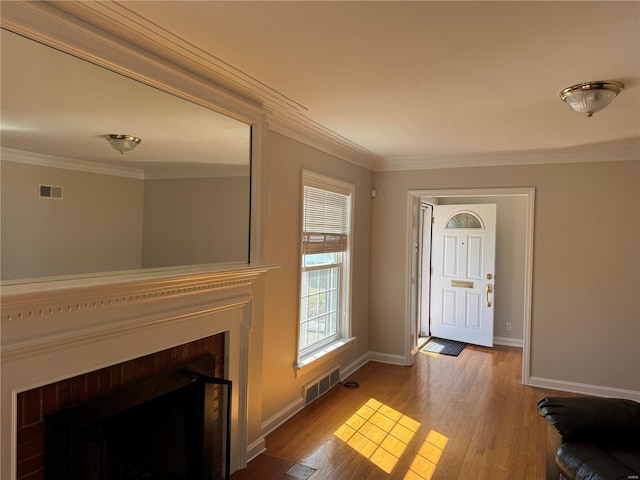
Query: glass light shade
[591,97]
[122,143]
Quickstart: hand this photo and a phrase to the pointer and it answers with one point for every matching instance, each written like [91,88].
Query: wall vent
[321,385]
[50,191]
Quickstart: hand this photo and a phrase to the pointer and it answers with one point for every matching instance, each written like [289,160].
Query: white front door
[463,262]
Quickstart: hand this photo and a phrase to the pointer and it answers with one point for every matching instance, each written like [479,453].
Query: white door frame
[410,296]
[424,261]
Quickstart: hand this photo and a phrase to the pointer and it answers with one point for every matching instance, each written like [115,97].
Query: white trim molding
[388,358]
[354,366]
[583,388]
[279,418]
[508,342]
[340,147]
[323,355]
[51,161]
[615,151]
[255,449]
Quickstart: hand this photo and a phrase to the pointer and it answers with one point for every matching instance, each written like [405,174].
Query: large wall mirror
[181,197]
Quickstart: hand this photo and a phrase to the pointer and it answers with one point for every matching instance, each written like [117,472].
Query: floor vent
[321,385]
[50,191]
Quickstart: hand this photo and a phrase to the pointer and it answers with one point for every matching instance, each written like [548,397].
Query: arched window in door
[466,220]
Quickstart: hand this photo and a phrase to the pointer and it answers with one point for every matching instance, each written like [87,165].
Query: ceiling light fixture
[590,97]
[122,143]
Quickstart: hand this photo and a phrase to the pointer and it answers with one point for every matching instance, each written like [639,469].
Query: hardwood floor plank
[444,418]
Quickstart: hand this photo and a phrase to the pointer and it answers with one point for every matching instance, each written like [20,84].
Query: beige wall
[96,227]
[511,228]
[195,220]
[586,275]
[286,158]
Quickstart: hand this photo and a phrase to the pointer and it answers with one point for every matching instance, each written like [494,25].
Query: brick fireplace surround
[73,339]
[33,405]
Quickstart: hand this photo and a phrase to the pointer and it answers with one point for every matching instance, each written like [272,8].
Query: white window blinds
[326,221]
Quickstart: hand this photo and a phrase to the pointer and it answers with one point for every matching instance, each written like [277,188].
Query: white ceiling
[415,84]
[430,81]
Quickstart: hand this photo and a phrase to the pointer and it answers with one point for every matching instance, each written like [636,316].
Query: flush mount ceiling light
[590,97]
[122,143]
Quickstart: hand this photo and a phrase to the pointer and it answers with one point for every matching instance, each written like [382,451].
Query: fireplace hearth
[170,426]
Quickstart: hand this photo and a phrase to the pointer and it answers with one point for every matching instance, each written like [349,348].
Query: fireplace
[169,426]
[36,405]
[63,342]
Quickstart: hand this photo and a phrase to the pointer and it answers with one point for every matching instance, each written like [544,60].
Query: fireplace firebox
[170,426]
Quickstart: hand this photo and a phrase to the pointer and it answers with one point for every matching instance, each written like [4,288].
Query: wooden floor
[465,417]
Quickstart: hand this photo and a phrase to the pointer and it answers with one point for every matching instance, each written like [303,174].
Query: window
[464,220]
[325,265]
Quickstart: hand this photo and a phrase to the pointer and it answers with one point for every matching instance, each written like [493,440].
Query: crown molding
[42,160]
[125,42]
[172,172]
[616,151]
[339,148]
[82,30]
[114,17]
[152,172]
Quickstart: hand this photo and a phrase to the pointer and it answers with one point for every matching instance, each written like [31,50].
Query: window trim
[344,338]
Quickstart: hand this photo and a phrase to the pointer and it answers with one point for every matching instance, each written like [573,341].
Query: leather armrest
[593,419]
[588,462]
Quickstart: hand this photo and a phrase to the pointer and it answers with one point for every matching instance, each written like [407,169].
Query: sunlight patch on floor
[426,461]
[379,433]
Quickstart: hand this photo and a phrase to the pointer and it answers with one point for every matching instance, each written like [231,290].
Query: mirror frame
[155,59]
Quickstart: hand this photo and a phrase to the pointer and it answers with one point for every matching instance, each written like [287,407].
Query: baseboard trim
[508,342]
[354,366]
[387,358]
[273,422]
[583,388]
[290,410]
[255,449]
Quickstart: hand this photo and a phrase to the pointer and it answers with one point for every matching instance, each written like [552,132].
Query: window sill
[319,357]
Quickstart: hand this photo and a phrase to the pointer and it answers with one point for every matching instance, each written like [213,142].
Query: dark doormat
[444,347]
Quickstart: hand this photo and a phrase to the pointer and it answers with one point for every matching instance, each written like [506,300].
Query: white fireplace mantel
[59,329]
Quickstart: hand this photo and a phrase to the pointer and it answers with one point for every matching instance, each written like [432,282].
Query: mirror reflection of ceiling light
[590,97]
[122,143]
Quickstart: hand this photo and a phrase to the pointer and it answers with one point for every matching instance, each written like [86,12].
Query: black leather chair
[592,438]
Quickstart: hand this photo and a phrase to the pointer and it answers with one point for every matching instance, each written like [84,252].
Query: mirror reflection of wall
[181,197]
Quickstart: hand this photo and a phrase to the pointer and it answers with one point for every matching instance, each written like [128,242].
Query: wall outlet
[507,326]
